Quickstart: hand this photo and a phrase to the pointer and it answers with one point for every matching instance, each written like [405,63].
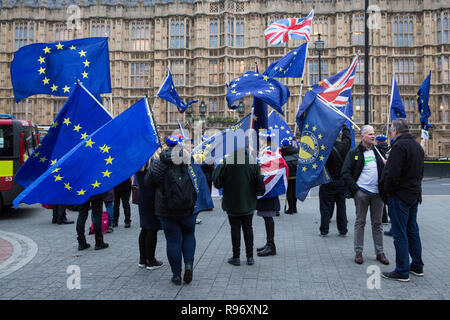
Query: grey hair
[364,129]
[400,125]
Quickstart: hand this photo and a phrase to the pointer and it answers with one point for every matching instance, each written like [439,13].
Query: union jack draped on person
[275,171]
[292,28]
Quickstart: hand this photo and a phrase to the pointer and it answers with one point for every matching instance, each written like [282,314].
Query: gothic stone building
[208,43]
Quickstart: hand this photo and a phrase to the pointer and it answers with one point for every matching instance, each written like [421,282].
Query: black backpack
[180,192]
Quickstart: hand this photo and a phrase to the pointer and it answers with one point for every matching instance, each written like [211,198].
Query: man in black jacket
[362,171]
[334,191]
[290,155]
[403,186]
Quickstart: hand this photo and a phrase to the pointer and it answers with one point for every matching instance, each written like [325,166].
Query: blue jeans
[110,209]
[405,232]
[180,241]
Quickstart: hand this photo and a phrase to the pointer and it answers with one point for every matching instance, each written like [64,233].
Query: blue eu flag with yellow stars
[54,68]
[80,116]
[284,132]
[319,127]
[397,108]
[168,92]
[422,102]
[291,65]
[260,86]
[102,160]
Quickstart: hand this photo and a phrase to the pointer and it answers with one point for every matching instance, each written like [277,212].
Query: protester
[109,205]
[175,199]
[150,224]
[238,178]
[334,191]
[96,203]
[59,214]
[290,155]
[122,192]
[384,149]
[403,185]
[361,172]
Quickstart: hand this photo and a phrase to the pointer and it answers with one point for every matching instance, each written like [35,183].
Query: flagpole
[389,107]
[300,94]
[152,117]
[110,95]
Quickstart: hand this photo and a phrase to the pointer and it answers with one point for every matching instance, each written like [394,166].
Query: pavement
[40,260]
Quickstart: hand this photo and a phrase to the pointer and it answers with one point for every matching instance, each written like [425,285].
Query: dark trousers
[405,232]
[180,241]
[290,196]
[236,222]
[125,197]
[147,244]
[270,229]
[59,212]
[97,209]
[329,194]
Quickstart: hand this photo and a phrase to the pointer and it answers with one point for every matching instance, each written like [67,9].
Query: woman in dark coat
[150,224]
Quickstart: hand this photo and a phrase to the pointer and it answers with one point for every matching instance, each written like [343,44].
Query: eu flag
[98,163]
[422,101]
[168,92]
[222,144]
[397,108]
[260,86]
[198,178]
[291,65]
[80,116]
[54,68]
[277,123]
[319,126]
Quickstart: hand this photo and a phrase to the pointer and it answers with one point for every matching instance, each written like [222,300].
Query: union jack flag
[337,89]
[275,171]
[292,28]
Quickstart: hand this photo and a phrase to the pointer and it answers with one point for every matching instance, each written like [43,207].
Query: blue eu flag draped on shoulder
[98,163]
[54,68]
[319,126]
[80,116]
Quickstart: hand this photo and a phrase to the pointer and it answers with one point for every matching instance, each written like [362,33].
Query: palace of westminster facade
[208,43]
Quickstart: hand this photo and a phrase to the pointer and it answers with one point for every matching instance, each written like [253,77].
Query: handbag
[260,186]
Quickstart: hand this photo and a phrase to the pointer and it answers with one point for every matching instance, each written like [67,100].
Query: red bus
[18,140]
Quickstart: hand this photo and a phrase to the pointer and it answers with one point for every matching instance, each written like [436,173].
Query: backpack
[178,187]
[105,218]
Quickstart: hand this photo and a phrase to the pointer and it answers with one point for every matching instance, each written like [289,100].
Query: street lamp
[241,109]
[319,45]
[189,113]
[202,110]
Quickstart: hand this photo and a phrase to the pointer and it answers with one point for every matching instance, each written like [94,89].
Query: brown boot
[382,258]
[359,258]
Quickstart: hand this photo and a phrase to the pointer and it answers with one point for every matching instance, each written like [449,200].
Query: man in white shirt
[361,172]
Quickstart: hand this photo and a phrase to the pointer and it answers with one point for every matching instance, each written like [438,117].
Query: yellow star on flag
[81,192]
[85,74]
[54,87]
[266,78]
[306,126]
[86,63]
[72,47]
[233,91]
[66,89]
[43,159]
[45,80]
[322,147]
[59,46]
[304,169]
[96,184]
[67,186]
[36,154]
[67,121]
[41,60]
[321,158]
[106,174]
[46,50]
[58,178]
[319,136]
[109,160]
[55,124]
[77,128]
[260,92]
[41,70]
[56,170]
[314,166]
[105,148]
[82,53]
[53,162]
[89,143]
[314,128]
[84,135]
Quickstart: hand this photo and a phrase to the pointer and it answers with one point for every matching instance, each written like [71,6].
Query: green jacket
[239,186]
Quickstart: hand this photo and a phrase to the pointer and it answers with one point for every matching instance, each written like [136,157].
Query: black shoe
[115,225]
[323,234]
[388,233]
[65,221]
[289,211]
[176,280]
[341,234]
[262,248]
[54,220]
[187,273]
[234,261]
[99,244]
[394,276]
[155,264]
[416,271]
[269,251]
[250,261]
[142,263]
[127,225]
[277,213]
[82,244]
[295,210]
